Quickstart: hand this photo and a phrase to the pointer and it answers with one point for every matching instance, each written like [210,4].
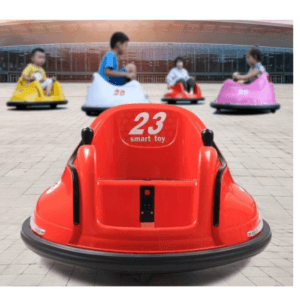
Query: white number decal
[136,129]
[145,116]
[119,92]
[159,124]
[243,92]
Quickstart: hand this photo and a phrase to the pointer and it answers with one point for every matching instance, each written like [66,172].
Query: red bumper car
[146,190]
[177,94]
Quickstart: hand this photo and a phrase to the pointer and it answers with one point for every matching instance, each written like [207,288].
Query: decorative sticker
[148,128]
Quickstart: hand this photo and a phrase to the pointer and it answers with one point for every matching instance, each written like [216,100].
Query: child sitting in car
[254,59]
[34,71]
[109,67]
[179,74]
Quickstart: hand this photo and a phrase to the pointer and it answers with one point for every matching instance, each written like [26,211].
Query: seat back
[260,82]
[152,142]
[21,81]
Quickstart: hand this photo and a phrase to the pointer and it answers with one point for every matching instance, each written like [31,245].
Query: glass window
[147,60]
[190,59]
[288,61]
[3,60]
[160,59]
[51,64]
[79,59]
[215,59]
[265,55]
[151,59]
[93,59]
[271,61]
[242,65]
[64,59]
[134,56]
[201,57]
[16,61]
[229,59]
[278,61]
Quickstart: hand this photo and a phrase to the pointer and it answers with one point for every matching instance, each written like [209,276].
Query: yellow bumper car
[33,95]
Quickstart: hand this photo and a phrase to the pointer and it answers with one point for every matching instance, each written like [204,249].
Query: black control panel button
[147,204]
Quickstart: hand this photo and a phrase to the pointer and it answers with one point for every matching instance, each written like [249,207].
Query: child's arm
[110,73]
[186,77]
[170,78]
[31,78]
[250,75]
[26,72]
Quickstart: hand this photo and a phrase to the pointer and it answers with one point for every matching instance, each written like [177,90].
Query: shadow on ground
[82,276]
[46,107]
[242,112]
[188,103]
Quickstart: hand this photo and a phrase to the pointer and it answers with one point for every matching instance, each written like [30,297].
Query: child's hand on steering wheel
[236,75]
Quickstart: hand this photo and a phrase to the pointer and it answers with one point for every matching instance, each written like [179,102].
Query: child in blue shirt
[254,59]
[109,67]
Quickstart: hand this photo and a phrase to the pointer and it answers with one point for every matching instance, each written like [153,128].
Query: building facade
[77,61]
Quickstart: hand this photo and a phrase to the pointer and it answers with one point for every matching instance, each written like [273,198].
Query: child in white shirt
[179,74]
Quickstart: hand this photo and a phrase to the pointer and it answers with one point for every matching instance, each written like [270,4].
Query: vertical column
[195,62]
[267,60]
[85,59]
[24,64]
[222,59]
[232,57]
[47,63]
[55,51]
[283,66]
[167,62]
[8,66]
[8,59]
[208,56]
[237,60]
[71,58]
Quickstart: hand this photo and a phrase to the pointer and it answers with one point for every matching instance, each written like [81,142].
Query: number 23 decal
[161,116]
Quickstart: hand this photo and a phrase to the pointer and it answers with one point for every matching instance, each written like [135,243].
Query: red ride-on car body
[177,94]
[146,190]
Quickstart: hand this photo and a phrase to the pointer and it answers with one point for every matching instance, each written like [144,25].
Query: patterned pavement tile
[35,145]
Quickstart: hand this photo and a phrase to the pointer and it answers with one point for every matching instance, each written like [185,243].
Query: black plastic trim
[182,100]
[143,263]
[87,135]
[27,103]
[76,192]
[218,184]
[272,107]
[94,109]
[147,203]
[207,138]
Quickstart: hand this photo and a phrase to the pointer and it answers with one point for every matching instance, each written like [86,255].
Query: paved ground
[35,146]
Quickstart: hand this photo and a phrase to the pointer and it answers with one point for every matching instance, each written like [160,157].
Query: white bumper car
[103,95]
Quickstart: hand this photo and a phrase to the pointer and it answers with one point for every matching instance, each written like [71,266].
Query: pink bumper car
[258,95]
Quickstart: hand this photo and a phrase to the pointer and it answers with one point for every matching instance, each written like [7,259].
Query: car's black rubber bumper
[182,100]
[95,109]
[39,103]
[145,263]
[273,107]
